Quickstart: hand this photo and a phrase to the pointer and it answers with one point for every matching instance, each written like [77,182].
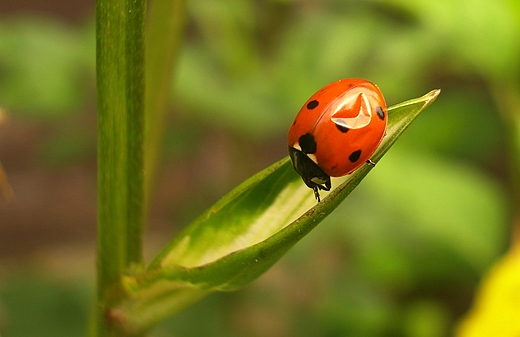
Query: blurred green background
[401,257]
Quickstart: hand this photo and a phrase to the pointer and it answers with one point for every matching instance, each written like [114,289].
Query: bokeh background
[401,257]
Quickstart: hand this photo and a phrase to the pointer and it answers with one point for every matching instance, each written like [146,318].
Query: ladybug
[336,131]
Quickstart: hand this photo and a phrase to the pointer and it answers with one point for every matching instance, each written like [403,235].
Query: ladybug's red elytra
[336,131]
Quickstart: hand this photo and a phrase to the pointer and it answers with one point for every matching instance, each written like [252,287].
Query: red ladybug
[336,131]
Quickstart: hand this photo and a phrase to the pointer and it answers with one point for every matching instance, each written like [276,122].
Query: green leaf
[243,234]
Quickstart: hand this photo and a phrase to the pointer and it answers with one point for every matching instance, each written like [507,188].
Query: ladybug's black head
[312,175]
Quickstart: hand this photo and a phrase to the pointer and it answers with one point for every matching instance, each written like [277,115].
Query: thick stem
[120,88]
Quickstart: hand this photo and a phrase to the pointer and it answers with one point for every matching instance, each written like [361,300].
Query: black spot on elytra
[341,128]
[307,143]
[312,104]
[380,113]
[354,156]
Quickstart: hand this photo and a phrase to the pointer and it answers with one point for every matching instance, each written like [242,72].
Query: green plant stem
[163,41]
[120,88]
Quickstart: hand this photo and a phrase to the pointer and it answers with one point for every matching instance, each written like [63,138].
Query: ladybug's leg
[370,162]
[325,187]
[316,193]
